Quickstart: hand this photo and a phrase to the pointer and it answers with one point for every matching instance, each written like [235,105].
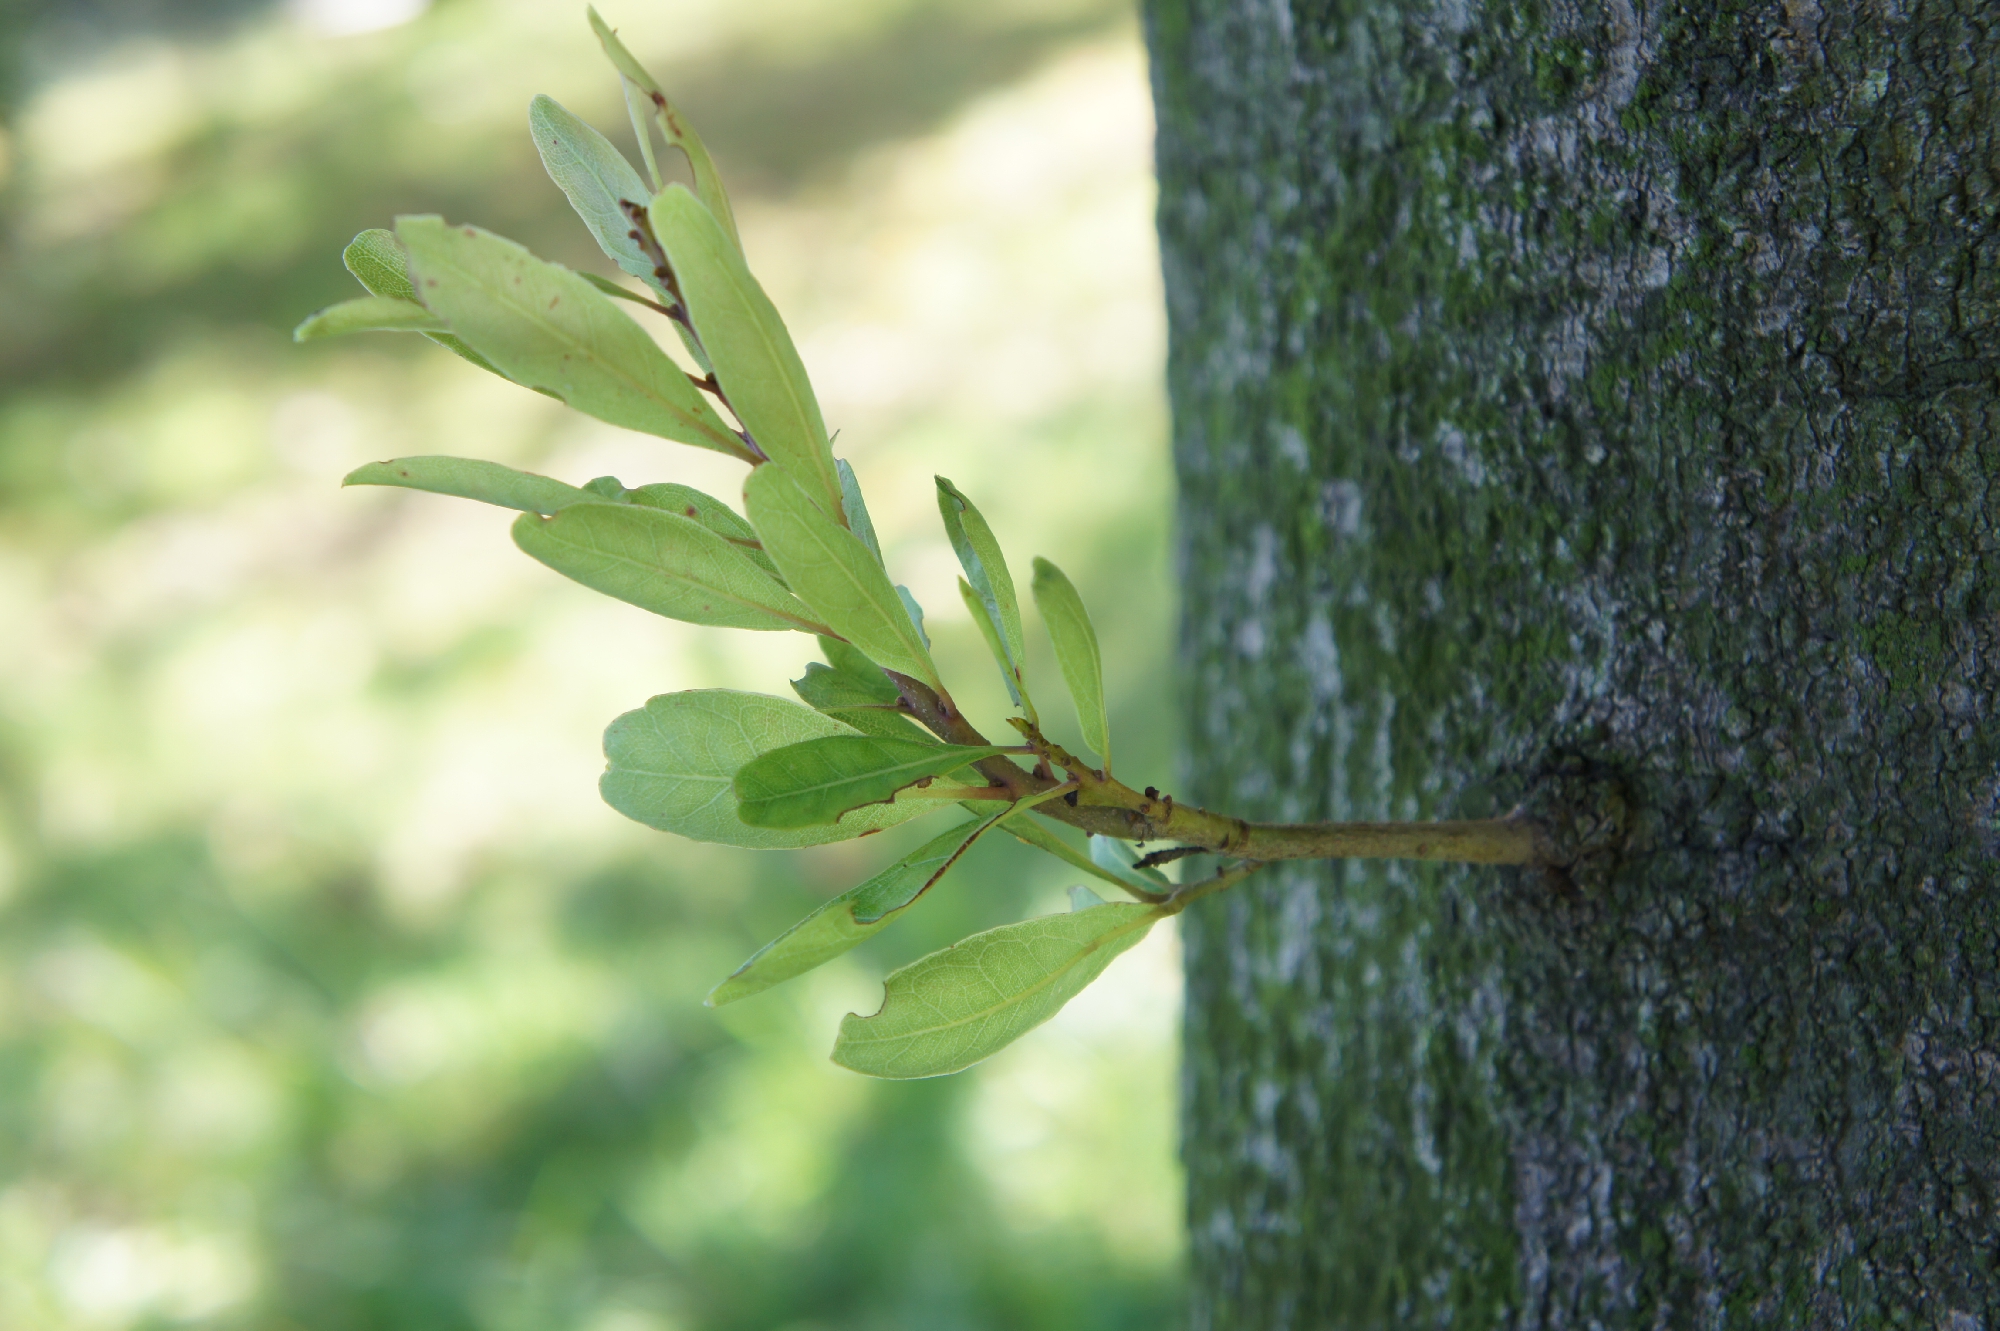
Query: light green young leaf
[471,478]
[754,359]
[847,699]
[953,1008]
[915,612]
[986,569]
[689,502]
[1082,898]
[833,572]
[976,608]
[615,291]
[1077,653]
[852,916]
[378,263]
[673,127]
[1120,861]
[855,509]
[673,764]
[545,327]
[1031,833]
[369,314]
[850,661]
[598,182]
[815,782]
[662,562]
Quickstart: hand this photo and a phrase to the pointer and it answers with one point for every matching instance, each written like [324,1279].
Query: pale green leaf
[621,59]
[953,1008]
[855,509]
[617,292]
[844,698]
[600,185]
[673,127]
[1119,860]
[369,314]
[1082,898]
[755,362]
[689,502]
[378,263]
[852,916]
[976,608]
[1077,653]
[833,572]
[1031,833]
[706,509]
[471,478]
[915,612]
[986,569]
[662,562]
[816,781]
[673,764]
[850,661]
[544,326]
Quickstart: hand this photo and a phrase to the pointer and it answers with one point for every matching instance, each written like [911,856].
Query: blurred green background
[330,995]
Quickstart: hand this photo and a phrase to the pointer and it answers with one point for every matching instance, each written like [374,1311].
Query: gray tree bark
[1580,398]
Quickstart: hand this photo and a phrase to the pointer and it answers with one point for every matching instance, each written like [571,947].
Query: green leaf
[369,314]
[854,509]
[1076,652]
[1031,833]
[977,609]
[849,661]
[470,478]
[852,916]
[710,512]
[953,1008]
[986,569]
[832,571]
[673,127]
[673,764]
[615,291]
[662,562]
[545,327]
[846,699]
[1121,862]
[378,263]
[599,183]
[815,782]
[915,612]
[754,359]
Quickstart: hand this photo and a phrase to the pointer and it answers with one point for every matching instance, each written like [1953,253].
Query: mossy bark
[1574,399]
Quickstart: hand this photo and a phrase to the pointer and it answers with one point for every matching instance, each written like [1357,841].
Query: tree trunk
[1573,404]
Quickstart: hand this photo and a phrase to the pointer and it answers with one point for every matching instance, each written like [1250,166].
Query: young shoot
[875,738]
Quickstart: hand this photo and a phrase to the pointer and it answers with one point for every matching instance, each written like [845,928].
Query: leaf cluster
[874,738]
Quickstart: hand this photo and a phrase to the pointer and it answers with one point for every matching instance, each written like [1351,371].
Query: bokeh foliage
[330,995]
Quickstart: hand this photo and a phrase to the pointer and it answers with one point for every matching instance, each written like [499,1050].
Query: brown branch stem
[1106,806]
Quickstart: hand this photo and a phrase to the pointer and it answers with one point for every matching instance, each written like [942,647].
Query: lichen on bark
[1600,387]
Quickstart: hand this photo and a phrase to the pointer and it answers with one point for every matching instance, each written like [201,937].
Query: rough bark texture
[1612,389]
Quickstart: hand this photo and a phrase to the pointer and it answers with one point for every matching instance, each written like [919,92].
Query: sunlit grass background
[330,995]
